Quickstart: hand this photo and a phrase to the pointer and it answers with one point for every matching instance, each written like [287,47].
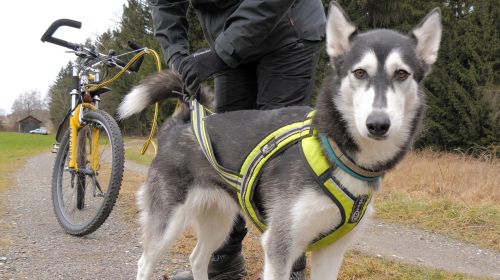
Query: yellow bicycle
[88,169]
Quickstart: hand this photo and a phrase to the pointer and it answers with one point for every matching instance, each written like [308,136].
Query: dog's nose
[378,123]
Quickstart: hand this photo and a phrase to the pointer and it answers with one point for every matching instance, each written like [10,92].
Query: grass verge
[130,185]
[475,224]
[451,194]
[16,148]
[359,266]
[133,151]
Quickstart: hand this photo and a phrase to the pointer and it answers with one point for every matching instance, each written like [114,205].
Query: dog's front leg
[278,258]
[326,262]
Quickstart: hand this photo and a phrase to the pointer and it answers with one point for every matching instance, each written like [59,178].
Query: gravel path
[41,250]
[420,247]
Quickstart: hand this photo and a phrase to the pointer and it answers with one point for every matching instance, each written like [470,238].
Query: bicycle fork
[75,126]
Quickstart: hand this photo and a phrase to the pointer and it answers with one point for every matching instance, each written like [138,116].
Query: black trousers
[284,77]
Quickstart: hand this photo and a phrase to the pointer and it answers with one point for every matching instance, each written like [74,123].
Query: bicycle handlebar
[47,36]
[80,49]
[134,46]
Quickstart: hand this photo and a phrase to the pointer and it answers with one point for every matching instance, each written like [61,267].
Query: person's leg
[235,89]
[286,76]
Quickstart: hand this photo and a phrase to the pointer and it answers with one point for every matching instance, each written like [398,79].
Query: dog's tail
[157,87]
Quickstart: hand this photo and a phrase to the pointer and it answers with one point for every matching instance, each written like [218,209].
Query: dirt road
[40,249]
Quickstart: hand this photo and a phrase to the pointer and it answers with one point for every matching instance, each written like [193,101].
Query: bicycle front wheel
[83,197]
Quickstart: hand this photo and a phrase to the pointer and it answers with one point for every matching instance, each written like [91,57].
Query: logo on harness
[269,147]
[357,208]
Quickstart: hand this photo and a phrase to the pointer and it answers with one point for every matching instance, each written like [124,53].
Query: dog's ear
[338,31]
[428,35]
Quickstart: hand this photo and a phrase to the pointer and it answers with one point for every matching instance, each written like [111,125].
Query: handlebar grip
[119,62]
[47,36]
[133,45]
[137,64]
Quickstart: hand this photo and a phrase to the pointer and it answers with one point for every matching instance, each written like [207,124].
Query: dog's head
[379,73]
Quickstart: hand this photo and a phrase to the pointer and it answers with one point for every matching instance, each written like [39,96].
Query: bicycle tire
[63,179]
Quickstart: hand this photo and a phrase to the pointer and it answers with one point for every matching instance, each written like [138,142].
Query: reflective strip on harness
[275,142]
[198,113]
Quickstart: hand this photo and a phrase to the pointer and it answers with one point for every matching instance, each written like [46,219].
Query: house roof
[30,117]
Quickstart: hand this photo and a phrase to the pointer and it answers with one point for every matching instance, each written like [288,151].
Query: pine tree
[58,95]
[457,115]
[462,91]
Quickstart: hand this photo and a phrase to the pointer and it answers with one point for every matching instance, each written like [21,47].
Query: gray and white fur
[371,105]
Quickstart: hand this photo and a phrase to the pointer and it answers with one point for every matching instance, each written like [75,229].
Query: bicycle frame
[77,166]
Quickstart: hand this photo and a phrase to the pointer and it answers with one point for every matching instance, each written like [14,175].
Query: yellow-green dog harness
[351,208]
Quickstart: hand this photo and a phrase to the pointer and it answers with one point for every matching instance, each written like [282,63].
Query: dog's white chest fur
[317,213]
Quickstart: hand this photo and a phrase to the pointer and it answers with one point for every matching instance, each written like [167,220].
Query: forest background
[462,91]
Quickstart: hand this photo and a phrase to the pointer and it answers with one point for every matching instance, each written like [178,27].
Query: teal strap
[345,168]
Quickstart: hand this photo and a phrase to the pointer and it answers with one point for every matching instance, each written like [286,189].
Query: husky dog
[371,106]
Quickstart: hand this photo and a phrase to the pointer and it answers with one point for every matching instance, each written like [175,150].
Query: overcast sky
[27,63]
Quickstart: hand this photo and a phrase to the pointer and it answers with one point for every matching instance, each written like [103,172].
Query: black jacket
[239,30]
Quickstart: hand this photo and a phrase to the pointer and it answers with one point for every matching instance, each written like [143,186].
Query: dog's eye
[360,74]
[401,75]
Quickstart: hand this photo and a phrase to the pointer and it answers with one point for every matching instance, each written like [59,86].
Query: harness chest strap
[276,142]
[352,208]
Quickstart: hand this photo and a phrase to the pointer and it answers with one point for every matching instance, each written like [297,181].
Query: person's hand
[175,62]
[198,67]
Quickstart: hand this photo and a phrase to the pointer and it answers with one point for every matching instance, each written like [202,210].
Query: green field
[16,148]
[133,148]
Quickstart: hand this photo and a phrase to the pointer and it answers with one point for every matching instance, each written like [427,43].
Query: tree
[462,90]
[58,95]
[458,116]
[27,103]
[136,25]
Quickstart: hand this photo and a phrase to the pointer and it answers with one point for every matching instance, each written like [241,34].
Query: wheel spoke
[97,188]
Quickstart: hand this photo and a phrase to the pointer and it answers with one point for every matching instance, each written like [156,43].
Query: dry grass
[130,184]
[459,178]
[453,194]
[359,266]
